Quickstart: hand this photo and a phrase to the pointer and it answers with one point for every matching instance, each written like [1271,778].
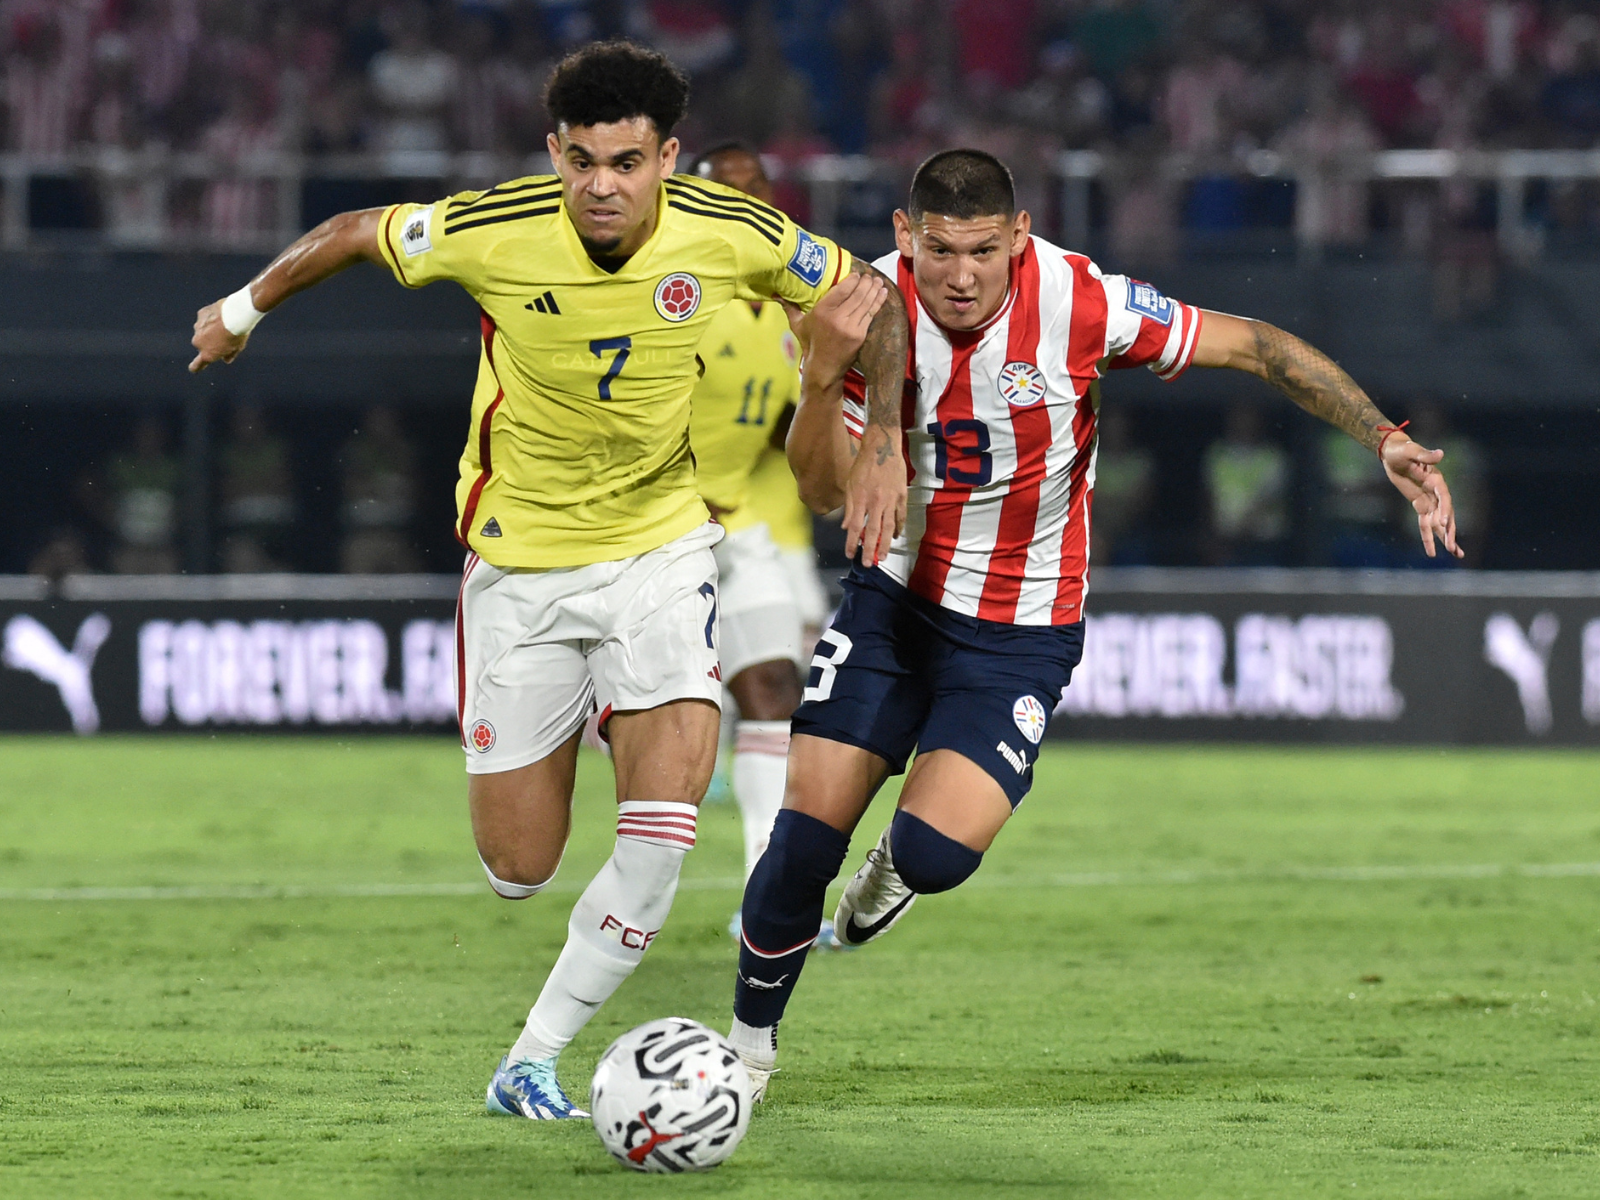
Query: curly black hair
[962,184]
[614,81]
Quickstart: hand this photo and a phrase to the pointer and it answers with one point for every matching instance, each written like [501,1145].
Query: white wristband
[239,315]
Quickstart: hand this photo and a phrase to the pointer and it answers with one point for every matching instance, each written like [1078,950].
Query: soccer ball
[670,1096]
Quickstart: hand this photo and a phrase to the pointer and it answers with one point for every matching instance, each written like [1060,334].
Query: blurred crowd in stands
[1216,79]
[363,496]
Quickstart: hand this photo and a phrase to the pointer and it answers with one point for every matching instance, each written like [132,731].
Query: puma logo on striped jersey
[545,304]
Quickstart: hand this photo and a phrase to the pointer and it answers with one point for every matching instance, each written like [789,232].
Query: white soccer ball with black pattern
[670,1096]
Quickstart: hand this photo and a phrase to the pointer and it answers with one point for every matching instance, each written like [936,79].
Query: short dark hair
[962,184]
[702,161]
[606,82]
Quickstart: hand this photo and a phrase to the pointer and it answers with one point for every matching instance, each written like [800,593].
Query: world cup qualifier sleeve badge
[1022,384]
[810,260]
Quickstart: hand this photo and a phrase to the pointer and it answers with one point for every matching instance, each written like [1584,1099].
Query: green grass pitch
[1181,972]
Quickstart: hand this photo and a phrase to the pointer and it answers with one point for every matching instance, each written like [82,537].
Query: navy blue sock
[927,860]
[782,913]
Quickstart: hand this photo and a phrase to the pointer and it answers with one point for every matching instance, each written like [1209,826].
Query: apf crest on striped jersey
[1022,384]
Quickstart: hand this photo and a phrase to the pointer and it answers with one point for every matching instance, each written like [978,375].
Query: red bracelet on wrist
[1386,430]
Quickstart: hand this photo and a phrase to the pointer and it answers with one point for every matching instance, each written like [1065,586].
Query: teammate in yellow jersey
[591,581]
[740,414]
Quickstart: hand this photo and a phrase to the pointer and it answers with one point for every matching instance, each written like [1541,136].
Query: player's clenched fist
[834,331]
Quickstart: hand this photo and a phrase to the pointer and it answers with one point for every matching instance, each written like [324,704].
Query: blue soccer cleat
[827,939]
[529,1089]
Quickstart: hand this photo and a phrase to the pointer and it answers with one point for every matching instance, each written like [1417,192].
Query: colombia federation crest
[678,296]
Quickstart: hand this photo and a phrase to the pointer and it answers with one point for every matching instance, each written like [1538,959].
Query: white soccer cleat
[759,1077]
[874,900]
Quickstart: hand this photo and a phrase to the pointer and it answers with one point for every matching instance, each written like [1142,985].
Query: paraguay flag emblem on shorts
[1030,717]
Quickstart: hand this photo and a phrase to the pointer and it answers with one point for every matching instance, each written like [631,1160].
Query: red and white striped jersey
[1000,432]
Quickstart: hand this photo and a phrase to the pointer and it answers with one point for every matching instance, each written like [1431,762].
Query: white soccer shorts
[760,620]
[805,582]
[539,650]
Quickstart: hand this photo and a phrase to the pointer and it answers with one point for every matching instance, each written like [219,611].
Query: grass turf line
[1261,1035]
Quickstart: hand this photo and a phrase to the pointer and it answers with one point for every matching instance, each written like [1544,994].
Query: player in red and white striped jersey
[1000,431]
[958,644]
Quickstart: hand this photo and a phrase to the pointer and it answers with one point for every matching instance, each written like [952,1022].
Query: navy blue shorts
[897,673]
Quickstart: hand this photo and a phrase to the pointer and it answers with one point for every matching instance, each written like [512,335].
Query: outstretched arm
[875,493]
[1320,386]
[337,243]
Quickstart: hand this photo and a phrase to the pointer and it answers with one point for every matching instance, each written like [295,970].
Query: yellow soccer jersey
[752,375]
[579,448]
[774,497]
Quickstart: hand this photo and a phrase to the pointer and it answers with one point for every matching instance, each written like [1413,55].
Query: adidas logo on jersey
[491,528]
[545,304]
[727,351]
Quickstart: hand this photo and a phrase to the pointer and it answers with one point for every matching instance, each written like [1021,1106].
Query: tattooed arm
[875,492]
[1320,386]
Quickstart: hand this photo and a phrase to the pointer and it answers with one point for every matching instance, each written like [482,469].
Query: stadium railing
[827,180]
[1510,171]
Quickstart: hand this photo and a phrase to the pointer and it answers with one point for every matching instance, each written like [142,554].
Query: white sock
[760,770]
[614,921]
[757,1044]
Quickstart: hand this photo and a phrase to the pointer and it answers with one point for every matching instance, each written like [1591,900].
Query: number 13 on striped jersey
[977,452]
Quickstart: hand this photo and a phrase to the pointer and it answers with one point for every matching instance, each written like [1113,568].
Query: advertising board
[1315,656]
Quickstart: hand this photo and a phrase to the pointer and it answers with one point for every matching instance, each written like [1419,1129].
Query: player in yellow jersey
[590,581]
[740,414]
